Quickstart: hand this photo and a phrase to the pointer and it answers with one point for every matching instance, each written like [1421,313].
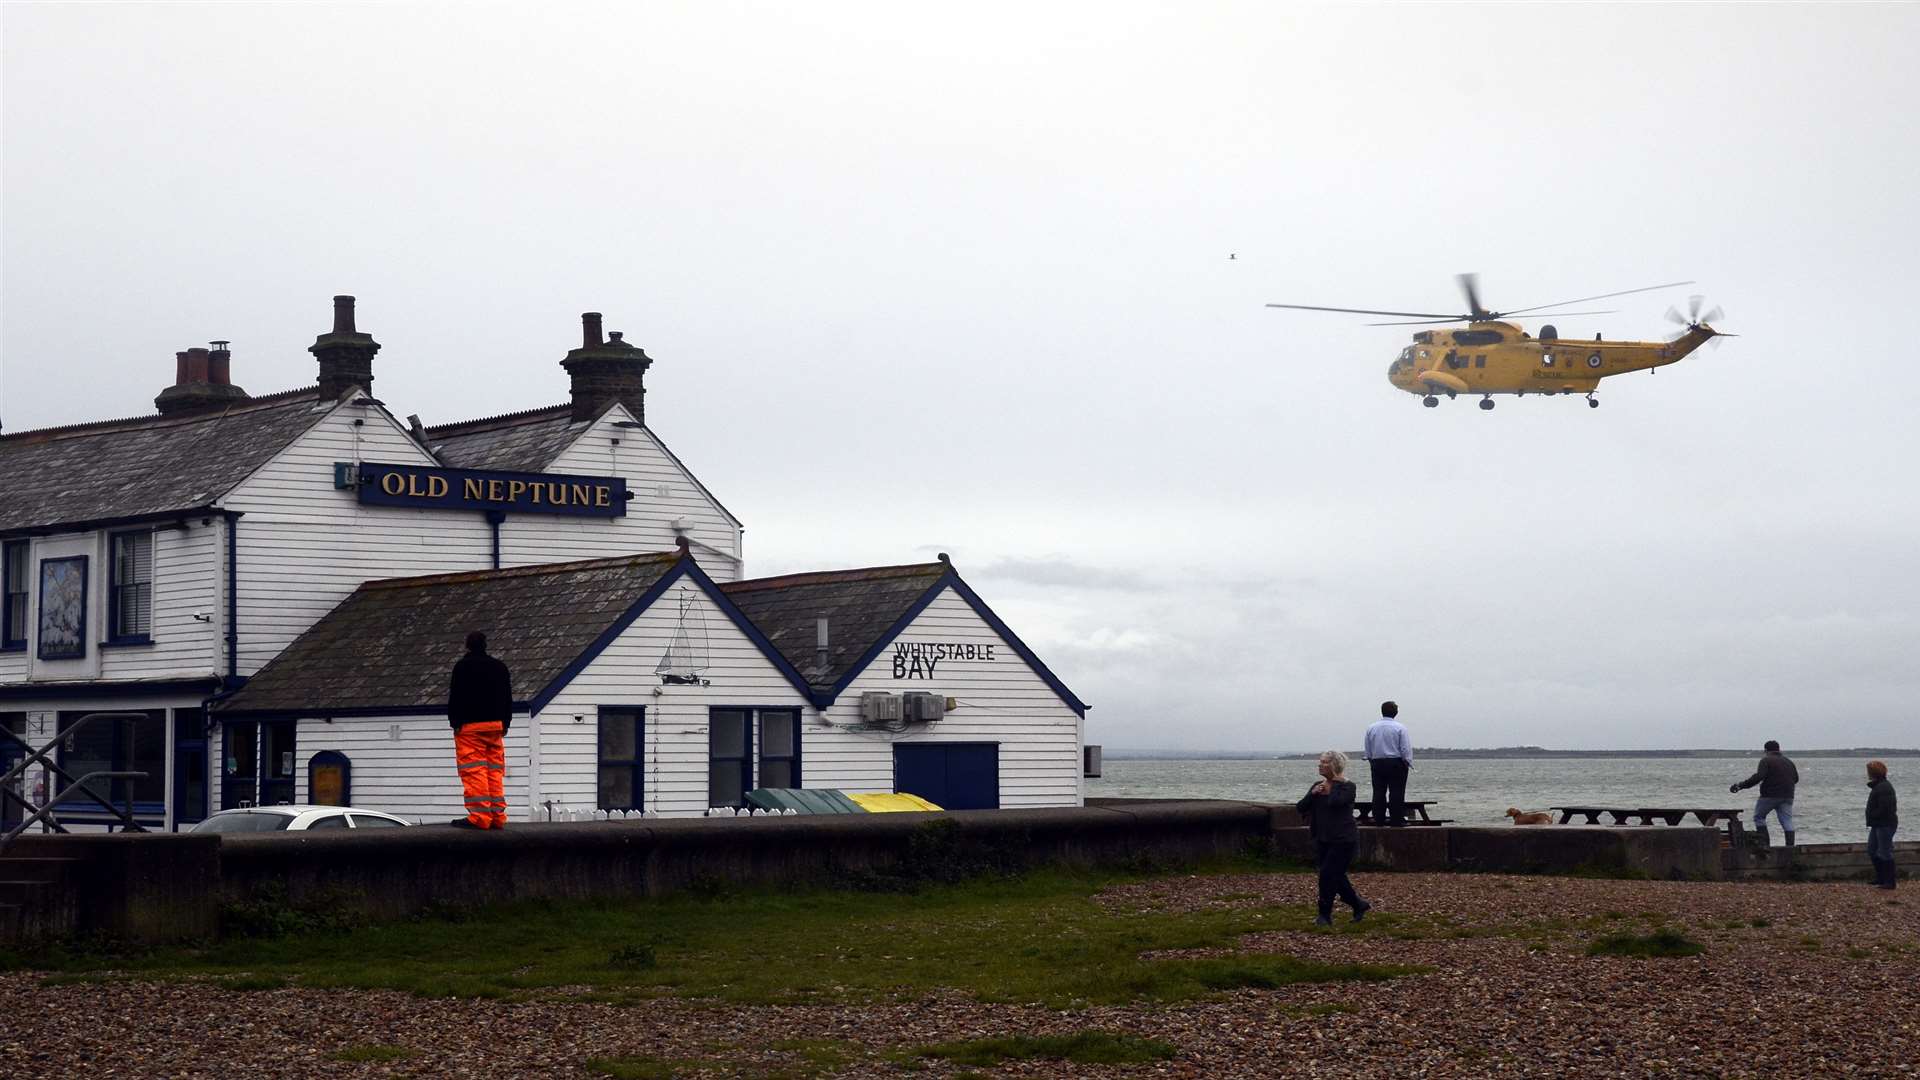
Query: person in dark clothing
[1883,818]
[1776,776]
[1328,810]
[480,709]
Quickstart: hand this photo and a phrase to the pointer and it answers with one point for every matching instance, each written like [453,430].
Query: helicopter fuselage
[1486,358]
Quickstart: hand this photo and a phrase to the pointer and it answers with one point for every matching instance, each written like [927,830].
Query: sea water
[1829,806]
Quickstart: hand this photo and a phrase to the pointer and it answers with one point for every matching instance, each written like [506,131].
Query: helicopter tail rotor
[1694,320]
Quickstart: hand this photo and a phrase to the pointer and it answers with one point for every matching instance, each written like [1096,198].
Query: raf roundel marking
[1593,360]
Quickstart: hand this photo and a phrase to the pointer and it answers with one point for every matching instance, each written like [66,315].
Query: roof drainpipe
[494,519]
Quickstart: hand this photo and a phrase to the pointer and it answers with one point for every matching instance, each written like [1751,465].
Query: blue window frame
[130,589]
[13,595]
[729,756]
[779,748]
[622,778]
[117,746]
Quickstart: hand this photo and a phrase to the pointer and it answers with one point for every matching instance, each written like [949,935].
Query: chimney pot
[590,329]
[197,365]
[343,315]
[345,355]
[603,372]
[179,367]
[220,364]
[614,336]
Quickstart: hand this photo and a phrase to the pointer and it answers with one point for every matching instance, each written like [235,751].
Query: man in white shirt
[1389,756]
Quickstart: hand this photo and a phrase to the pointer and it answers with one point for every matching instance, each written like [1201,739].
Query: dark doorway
[189,766]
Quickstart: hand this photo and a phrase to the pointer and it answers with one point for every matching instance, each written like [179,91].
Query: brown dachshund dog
[1521,817]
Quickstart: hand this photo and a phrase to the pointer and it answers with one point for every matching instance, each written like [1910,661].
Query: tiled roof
[517,442]
[392,644]
[860,606]
[145,465]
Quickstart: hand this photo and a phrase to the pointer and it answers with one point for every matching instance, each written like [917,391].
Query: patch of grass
[253,982]
[1809,943]
[371,1052]
[1665,941]
[640,957]
[1082,1047]
[1041,938]
[635,1068]
[1855,952]
[1759,923]
[819,1056]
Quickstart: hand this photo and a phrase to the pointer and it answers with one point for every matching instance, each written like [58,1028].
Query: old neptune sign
[479,489]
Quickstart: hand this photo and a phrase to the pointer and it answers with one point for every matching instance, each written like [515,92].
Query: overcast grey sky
[920,279]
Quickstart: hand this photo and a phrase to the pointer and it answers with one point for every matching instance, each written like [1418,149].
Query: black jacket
[1330,816]
[1881,809]
[482,691]
[1775,775]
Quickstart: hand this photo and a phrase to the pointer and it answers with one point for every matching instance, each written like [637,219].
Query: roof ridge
[812,577]
[502,420]
[248,404]
[531,570]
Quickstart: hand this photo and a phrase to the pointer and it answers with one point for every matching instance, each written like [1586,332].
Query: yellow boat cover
[886,802]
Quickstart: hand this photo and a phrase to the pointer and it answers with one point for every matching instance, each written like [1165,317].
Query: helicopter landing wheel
[1486,403]
[1429,401]
[1592,402]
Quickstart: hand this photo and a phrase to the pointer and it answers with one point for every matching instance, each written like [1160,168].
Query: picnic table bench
[1416,814]
[1647,815]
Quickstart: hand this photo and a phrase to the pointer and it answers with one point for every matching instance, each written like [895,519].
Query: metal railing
[36,814]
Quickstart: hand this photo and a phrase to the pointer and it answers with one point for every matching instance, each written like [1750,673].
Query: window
[130,588]
[622,753]
[368,821]
[779,748]
[331,821]
[1480,361]
[729,743]
[13,595]
[130,745]
[1478,337]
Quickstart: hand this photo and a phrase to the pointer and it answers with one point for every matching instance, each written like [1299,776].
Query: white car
[258,819]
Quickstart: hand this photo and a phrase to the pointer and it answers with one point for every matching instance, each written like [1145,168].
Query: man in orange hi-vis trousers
[480,709]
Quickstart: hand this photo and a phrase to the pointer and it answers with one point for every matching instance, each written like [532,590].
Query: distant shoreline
[1113,753]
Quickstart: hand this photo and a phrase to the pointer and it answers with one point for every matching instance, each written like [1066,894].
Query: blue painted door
[954,776]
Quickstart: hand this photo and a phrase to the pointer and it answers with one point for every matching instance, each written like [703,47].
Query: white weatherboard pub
[279,586]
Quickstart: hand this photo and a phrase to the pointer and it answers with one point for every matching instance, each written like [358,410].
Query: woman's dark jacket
[1881,809]
[1330,817]
[482,691]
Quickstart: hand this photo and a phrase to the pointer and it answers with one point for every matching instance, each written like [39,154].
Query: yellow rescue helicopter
[1492,356]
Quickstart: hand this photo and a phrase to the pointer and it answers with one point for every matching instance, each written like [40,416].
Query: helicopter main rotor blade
[1423,322]
[1602,296]
[1470,284]
[1693,307]
[1557,314]
[1367,311]
[1713,315]
[1674,316]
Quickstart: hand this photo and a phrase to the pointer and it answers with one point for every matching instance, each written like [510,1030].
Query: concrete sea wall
[179,887]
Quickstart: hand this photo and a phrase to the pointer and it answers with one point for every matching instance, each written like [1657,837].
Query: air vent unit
[879,708]
[923,706]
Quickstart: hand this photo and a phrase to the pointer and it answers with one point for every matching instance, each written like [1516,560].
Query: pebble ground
[1797,980]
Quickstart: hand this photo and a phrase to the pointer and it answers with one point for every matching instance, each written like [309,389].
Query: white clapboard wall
[664,492]
[1003,701]
[304,545]
[675,731]
[405,765]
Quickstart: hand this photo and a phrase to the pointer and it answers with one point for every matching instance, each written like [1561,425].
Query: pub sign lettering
[426,487]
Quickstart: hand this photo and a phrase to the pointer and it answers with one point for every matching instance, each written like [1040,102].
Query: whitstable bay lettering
[918,659]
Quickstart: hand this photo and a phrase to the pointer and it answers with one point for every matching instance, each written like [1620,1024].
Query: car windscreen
[244,823]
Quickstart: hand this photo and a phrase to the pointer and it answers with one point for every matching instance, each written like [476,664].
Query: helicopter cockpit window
[1546,359]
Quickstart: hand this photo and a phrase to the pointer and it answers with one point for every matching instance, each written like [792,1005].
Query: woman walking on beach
[1328,810]
[1882,819]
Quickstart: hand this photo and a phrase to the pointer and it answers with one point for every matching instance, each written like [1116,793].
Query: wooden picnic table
[1647,815]
[1416,814]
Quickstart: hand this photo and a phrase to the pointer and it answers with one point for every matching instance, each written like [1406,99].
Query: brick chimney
[201,381]
[345,355]
[604,372]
